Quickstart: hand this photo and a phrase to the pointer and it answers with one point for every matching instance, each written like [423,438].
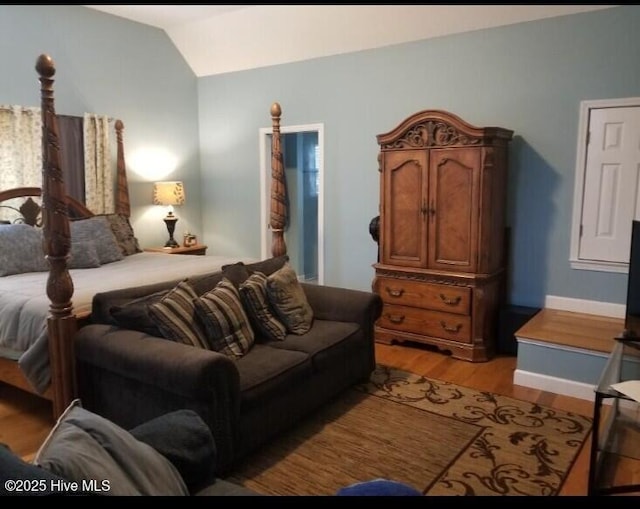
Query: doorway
[302,155]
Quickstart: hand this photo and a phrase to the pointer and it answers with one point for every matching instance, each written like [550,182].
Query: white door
[611,196]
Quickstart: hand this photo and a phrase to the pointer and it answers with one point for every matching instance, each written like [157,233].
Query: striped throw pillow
[253,292]
[225,321]
[175,316]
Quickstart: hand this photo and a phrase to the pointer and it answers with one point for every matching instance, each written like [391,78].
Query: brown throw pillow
[253,292]
[289,301]
[122,230]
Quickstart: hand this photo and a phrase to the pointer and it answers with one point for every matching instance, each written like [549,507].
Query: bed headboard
[30,210]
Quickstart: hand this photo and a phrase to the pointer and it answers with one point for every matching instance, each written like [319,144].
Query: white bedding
[24,305]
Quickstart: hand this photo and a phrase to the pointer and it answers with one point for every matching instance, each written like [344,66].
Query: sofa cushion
[266,371]
[202,284]
[253,292]
[84,446]
[186,441]
[135,315]
[268,266]
[175,316]
[12,467]
[225,322]
[326,343]
[289,301]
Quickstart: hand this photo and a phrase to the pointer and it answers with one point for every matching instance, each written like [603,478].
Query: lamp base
[171,221]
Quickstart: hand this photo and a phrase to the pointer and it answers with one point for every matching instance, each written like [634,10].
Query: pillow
[21,250]
[84,255]
[123,232]
[175,316]
[97,229]
[253,293]
[236,273]
[186,441]
[267,267]
[225,321]
[289,301]
[87,448]
[135,315]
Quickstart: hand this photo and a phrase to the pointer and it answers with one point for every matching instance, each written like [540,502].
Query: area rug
[437,437]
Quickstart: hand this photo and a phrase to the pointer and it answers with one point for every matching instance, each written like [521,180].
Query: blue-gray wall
[111,66]
[528,77]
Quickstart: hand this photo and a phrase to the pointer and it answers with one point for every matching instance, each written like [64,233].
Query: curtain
[70,131]
[20,152]
[97,164]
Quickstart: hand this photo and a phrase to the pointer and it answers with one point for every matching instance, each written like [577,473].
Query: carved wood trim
[437,128]
[123,205]
[57,244]
[278,214]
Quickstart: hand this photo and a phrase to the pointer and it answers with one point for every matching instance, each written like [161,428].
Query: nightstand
[198,249]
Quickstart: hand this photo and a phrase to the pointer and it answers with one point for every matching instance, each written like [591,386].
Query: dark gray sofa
[130,376]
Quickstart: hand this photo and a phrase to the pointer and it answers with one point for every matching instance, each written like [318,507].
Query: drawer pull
[395,318]
[395,293]
[450,302]
[455,329]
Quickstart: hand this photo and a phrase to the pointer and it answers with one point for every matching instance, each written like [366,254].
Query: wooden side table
[198,249]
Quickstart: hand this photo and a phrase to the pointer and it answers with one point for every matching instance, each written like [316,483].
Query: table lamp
[169,194]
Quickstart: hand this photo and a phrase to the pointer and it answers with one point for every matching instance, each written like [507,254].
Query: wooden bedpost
[278,187]
[123,205]
[61,323]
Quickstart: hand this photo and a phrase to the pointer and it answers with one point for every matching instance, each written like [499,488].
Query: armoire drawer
[447,298]
[428,323]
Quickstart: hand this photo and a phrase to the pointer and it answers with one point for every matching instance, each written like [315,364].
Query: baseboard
[592,307]
[553,384]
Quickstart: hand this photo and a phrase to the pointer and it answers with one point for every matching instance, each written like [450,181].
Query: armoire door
[453,208]
[403,231]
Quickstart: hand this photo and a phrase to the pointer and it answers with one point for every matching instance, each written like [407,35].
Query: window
[607,184]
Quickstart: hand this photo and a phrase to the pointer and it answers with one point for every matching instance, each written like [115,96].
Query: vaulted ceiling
[216,39]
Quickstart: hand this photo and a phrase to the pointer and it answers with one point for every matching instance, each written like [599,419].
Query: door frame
[578,194]
[265,176]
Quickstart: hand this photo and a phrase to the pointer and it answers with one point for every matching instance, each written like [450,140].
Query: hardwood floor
[25,419]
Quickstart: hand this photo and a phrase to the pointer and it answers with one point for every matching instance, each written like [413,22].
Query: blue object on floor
[379,487]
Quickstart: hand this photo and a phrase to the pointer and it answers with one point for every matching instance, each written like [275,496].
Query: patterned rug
[438,437]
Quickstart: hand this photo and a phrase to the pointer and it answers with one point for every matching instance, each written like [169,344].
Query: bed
[40,312]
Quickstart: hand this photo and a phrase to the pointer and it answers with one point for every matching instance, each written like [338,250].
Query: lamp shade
[168,193]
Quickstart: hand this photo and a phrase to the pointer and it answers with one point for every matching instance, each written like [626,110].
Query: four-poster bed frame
[57,208]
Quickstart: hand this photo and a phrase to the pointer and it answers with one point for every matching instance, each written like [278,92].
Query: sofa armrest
[130,377]
[344,305]
[174,367]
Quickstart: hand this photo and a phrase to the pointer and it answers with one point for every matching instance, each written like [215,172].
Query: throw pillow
[184,438]
[101,456]
[21,250]
[289,301]
[84,255]
[98,230]
[253,292]
[225,321]
[175,316]
[135,315]
[123,231]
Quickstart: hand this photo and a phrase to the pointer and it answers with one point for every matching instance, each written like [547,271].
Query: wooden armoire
[442,256]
